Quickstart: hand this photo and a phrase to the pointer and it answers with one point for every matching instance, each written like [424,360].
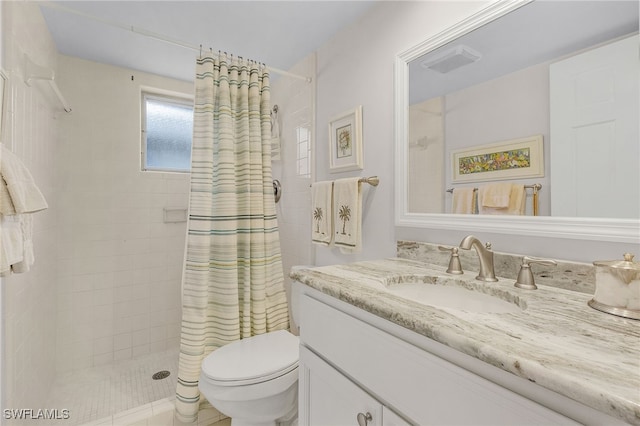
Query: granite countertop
[556,340]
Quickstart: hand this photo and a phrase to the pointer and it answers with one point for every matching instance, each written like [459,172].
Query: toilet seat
[253,360]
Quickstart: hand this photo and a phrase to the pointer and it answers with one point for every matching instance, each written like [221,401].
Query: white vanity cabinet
[349,366]
[332,399]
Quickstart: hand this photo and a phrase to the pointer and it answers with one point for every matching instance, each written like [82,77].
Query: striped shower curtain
[233,284]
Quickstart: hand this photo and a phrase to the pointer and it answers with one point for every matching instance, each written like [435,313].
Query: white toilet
[255,380]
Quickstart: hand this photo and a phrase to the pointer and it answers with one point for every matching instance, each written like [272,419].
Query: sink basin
[448,296]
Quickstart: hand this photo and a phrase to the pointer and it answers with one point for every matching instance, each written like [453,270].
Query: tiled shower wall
[295,100]
[120,264]
[30,131]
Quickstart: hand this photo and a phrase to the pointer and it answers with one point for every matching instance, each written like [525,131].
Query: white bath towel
[26,227]
[515,204]
[6,205]
[322,213]
[25,194]
[347,213]
[464,201]
[11,243]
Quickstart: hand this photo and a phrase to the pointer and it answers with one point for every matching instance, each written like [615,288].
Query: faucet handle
[525,276]
[455,267]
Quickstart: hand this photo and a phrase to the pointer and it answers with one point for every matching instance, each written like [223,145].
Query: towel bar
[536,187]
[372,180]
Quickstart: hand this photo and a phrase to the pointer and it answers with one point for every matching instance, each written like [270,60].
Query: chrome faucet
[485,255]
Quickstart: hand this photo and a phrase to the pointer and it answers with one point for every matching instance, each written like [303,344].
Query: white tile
[140,337]
[103,345]
[103,359]
[140,350]
[122,354]
[157,333]
[105,421]
[103,296]
[133,415]
[122,341]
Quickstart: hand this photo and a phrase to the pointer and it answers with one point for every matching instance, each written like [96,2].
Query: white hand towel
[28,259]
[25,195]
[515,206]
[11,244]
[496,195]
[464,201]
[347,213]
[6,205]
[322,214]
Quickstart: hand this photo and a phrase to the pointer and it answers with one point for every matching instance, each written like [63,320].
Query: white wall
[28,311]
[356,68]
[120,264]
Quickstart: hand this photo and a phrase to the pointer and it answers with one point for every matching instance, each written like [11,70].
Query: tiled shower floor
[100,392]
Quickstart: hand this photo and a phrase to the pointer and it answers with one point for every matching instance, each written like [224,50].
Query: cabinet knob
[364,419]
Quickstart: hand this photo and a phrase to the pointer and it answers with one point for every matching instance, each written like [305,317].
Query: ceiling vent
[452,59]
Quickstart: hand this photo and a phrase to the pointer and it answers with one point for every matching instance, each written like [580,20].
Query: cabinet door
[389,418]
[327,398]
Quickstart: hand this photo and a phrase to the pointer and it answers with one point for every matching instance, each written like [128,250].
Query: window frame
[175,98]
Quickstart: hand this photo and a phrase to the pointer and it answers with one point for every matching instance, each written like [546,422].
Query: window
[303,135]
[167,128]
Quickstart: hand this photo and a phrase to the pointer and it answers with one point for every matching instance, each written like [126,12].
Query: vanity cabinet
[333,399]
[349,366]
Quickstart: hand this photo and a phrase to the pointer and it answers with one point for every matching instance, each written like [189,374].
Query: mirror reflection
[533,113]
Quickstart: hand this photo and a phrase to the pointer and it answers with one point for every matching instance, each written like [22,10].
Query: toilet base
[274,410]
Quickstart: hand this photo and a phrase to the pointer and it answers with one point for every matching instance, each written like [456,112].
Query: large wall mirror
[543,94]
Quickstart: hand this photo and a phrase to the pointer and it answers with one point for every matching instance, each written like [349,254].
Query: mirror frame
[597,229]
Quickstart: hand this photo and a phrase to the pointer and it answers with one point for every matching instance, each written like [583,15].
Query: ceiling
[532,34]
[278,33]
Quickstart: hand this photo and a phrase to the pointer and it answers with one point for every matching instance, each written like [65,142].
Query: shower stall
[87,329]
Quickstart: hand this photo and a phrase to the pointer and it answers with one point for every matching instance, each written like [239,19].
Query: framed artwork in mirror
[514,159]
[345,141]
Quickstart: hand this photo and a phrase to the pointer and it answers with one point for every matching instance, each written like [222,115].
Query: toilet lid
[253,360]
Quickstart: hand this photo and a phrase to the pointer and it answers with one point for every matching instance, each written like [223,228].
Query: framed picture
[3,96]
[345,141]
[513,159]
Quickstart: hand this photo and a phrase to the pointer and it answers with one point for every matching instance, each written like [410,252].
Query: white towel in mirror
[491,199]
[464,201]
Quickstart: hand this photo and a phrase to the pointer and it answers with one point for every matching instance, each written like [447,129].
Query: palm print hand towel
[347,214]
[322,215]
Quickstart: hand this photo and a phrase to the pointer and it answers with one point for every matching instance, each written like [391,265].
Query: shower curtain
[233,284]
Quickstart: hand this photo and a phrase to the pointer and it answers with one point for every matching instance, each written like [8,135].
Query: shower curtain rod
[155,36]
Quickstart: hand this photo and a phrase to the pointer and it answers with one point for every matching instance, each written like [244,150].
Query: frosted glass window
[303,136]
[167,131]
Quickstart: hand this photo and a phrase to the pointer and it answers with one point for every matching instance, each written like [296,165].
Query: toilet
[255,380]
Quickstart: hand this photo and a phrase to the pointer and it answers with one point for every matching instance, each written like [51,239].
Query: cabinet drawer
[424,388]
